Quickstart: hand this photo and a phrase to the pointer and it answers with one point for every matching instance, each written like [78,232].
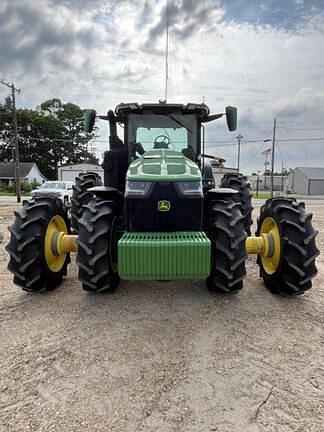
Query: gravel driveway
[160,356]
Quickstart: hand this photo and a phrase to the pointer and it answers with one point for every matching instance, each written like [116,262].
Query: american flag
[266,152]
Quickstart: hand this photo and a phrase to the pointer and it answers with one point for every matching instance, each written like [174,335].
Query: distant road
[12,199]
[313,201]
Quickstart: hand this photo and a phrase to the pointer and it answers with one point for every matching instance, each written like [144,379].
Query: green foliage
[34,184]
[55,137]
[6,190]
[26,187]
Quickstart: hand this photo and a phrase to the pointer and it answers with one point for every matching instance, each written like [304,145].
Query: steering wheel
[161,142]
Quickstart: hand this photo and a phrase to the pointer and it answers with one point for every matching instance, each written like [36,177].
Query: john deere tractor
[159,216]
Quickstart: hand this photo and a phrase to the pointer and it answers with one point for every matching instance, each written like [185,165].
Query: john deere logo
[164,206]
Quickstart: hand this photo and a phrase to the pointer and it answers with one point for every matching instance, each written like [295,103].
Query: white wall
[219,173]
[35,175]
[278,182]
[300,182]
[69,172]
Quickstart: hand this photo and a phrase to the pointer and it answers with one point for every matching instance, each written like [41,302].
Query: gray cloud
[185,19]
[99,53]
[34,35]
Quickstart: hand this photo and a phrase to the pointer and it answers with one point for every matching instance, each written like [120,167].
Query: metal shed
[70,172]
[307,180]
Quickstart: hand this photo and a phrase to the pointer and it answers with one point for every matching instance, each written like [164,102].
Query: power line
[300,129]
[212,143]
[258,153]
[301,139]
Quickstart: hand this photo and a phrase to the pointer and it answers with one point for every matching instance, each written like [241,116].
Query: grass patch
[261,195]
[8,191]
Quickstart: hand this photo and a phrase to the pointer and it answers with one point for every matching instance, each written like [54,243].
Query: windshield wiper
[176,120]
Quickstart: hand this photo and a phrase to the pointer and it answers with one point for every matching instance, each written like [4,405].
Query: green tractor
[159,216]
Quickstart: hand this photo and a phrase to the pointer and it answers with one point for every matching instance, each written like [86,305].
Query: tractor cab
[151,128]
[162,126]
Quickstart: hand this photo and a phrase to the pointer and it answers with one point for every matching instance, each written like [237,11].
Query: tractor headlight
[137,188]
[190,188]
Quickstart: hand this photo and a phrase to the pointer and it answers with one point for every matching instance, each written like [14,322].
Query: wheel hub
[267,245]
[55,228]
[271,259]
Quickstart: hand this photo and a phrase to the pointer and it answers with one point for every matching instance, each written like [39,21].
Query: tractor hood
[163,165]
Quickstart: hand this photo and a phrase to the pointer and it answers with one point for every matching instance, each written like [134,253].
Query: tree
[71,117]
[50,136]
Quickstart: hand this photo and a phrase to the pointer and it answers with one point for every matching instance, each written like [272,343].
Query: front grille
[46,194]
[184,214]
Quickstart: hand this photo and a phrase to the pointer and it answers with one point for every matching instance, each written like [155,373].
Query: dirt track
[161,357]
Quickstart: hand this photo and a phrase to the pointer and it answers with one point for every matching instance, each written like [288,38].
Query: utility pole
[258,183]
[273,154]
[15,137]
[282,176]
[239,137]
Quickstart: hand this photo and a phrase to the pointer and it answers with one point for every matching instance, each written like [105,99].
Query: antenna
[166,50]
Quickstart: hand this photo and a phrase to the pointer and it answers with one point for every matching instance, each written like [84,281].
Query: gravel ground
[160,356]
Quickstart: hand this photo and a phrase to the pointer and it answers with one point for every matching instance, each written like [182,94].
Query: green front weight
[164,255]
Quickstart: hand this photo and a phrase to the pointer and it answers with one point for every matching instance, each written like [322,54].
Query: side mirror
[89,120]
[231,118]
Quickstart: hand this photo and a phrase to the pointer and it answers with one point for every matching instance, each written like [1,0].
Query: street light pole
[15,137]
[273,154]
[239,137]
[258,182]
[17,161]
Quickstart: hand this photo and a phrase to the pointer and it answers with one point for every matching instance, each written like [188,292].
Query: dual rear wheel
[288,271]
[81,196]
[227,234]
[241,184]
[32,262]
[97,247]
[292,267]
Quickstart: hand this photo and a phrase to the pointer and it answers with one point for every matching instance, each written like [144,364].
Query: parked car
[59,189]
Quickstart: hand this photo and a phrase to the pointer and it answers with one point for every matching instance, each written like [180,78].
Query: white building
[69,172]
[220,170]
[306,180]
[279,182]
[29,172]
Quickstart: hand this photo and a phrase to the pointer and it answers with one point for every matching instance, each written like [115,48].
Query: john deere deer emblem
[164,206]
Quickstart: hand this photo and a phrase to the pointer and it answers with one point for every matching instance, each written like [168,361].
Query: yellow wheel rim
[270,228]
[56,225]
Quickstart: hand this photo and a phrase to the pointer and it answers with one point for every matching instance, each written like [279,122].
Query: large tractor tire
[227,235]
[32,262]
[82,196]
[240,183]
[97,247]
[291,268]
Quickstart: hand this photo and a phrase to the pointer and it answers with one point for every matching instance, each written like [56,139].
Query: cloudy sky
[265,57]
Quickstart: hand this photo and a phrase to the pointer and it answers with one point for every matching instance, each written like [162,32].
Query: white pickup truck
[59,189]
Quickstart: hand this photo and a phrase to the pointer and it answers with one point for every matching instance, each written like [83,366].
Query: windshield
[174,131]
[53,185]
